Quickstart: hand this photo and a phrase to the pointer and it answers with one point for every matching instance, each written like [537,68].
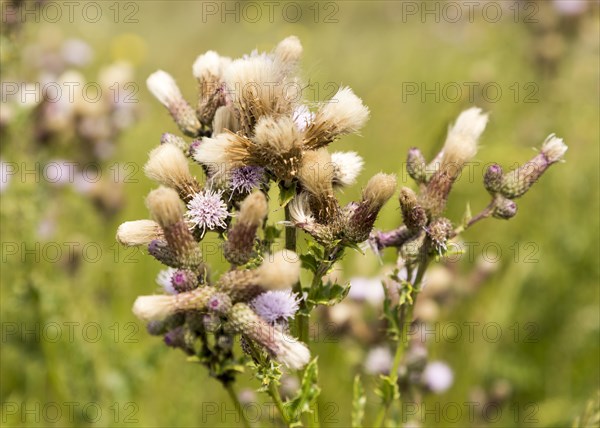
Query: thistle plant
[251,135]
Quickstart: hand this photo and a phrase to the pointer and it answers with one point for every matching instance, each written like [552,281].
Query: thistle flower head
[245,179]
[279,270]
[209,64]
[253,209]
[220,153]
[165,206]
[461,142]
[223,120]
[379,189]
[207,210]
[219,303]
[165,278]
[168,166]
[346,167]
[276,306]
[164,88]
[492,180]
[344,113]
[138,232]
[148,308]
[553,148]
[289,50]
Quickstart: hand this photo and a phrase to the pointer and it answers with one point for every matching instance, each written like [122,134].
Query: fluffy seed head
[343,114]
[224,120]
[149,308]
[165,206]
[168,166]
[291,352]
[218,153]
[346,167]
[138,232]
[317,172]
[164,88]
[279,270]
[300,212]
[554,148]
[253,209]
[461,142]
[289,50]
[208,63]
[165,280]
[379,189]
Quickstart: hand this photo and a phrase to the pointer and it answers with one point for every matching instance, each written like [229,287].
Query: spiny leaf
[307,395]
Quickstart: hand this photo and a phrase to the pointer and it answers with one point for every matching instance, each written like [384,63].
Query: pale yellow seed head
[463,136]
[253,209]
[168,166]
[316,172]
[380,189]
[138,232]
[165,206]
[150,308]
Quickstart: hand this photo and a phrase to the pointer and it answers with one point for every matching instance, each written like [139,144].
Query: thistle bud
[518,181]
[413,214]
[181,338]
[219,303]
[160,250]
[344,113]
[393,238]
[168,166]
[139,232]
[167,210]
[492,180]
[240,239]
[504,208]
[163,87]
[278,146]
[378,191]
[283,348]
[415,165]
[184,280]
[439,231]
[159,307]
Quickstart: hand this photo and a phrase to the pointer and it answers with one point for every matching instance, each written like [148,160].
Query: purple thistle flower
[276,306]
[164,279]
[207,210]
[246,178]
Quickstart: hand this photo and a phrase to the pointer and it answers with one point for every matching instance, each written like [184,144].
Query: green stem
[405,320]
[229,388]
[274,393]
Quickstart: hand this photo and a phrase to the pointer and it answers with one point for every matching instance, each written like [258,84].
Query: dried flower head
[168,166]
[138,232]
[346,167]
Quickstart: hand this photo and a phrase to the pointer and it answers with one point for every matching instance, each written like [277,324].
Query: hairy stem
[274,394]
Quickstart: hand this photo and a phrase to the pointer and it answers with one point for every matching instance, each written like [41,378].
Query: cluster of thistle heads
[250,129]
[425,231]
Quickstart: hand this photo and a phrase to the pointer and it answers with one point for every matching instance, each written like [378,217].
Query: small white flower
[207,210]
[438,376]
[554,148]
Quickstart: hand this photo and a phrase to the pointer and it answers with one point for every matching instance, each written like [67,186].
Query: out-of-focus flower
[379,361]
[366,289]
[438,376]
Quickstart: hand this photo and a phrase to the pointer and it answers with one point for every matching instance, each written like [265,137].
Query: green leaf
[327,294]
[307,395]
[388,389]
[309,262]
[359,400]
[286,194]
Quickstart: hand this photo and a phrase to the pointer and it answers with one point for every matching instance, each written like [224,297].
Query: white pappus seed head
[346,167]
[290,351]
[208,63]
[168,165]
[164,88]
[149,308]
[279,270]
[463,136]
[276,306]
[165,206]
[207,210]
[138,232]
[554,148]
[345,111]
[300,212]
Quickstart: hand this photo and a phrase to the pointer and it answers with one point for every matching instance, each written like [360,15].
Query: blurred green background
[548,73]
